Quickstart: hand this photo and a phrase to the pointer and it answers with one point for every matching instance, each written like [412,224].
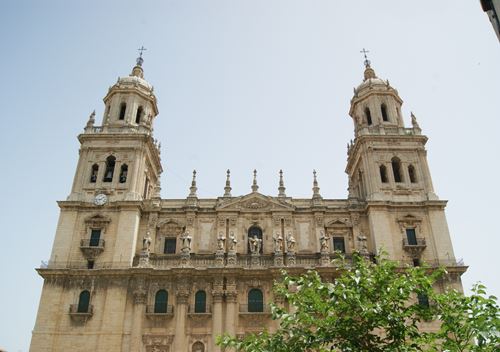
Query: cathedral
[132,272]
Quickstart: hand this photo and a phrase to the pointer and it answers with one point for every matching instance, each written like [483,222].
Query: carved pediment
[255,202]
[170,227]
[339,223]
[97,221]
[409,221]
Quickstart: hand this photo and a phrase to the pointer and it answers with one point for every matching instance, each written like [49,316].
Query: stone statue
[278,243]
[363,249]
[255,244]
[290,243]
[221,240]
[324,242]
[186,242]
[146,242]
[232,241]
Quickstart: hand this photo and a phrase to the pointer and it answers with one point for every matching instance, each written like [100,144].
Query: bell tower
[120,159]
[386,160]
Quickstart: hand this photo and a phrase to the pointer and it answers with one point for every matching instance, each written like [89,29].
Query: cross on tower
[142,48]
[140,60]
[364,52]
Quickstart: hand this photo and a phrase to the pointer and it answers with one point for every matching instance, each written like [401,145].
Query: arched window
[198,347]
[255,232]
[83,302]
[110,168]
[368,116]
[383,109]
[383,174]
[123,173]
[123,108]
[93,173]
[396,169]
[200,302]
[161,301]
[255,300]
[138,115]
[412,174]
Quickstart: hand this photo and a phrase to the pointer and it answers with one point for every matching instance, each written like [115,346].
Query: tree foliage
[373,307]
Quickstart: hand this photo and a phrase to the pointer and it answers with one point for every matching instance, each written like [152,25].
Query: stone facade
[130,271]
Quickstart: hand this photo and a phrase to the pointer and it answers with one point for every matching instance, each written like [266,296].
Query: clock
[100,199]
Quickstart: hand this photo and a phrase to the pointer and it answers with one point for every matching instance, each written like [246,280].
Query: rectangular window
[95,236]
[90,264]
[339,244]
[411,236]
[170,244]
[423,300]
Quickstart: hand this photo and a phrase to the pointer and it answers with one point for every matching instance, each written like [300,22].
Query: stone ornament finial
[414,122]
[227,189]
[315,188]
[255,187]
[193,188]
[91,121]
[281,188]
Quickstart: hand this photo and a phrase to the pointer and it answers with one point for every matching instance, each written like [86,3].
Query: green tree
[468,323]
[368,307]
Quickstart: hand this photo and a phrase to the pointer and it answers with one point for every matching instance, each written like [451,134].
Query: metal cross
[141,49]
[367,62]
[364,51]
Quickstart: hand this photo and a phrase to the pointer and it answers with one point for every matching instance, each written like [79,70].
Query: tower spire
[227,189]
[281,188]
[369,72]
[193,188]
[137,71]
[255,187]
[315,188]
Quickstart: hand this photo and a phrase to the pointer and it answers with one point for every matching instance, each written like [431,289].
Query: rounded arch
[138,114]
[110,169]
[200,302]
[255,300]
[383,110]
[84,302]
[123,173]
[396,169]
[383,174]
[368,116]
[412,173]
[198,346]
[161,301]
[255,232]
[123,109]
[93,173]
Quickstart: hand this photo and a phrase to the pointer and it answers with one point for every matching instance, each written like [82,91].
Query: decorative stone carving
[255,244]
[221,242]
[255,203]
[290,243]
[157,343]
[278,243]
[323,240]
[232,242]
[139,292]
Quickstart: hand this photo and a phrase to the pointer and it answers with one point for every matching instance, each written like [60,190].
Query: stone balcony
[415,248]
[91,247]
[79,317]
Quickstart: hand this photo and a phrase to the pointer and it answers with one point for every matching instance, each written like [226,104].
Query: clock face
[100,199]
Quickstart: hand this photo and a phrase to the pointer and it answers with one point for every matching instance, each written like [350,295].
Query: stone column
[138,315]
[217,295]
[231,306]
[180,313]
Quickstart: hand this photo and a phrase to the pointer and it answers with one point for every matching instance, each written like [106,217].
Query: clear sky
[262,84]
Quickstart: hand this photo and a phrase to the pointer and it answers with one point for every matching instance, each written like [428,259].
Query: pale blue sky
[241,85]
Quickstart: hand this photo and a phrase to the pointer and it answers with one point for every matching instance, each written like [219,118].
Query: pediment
[339,222]
[255,202]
